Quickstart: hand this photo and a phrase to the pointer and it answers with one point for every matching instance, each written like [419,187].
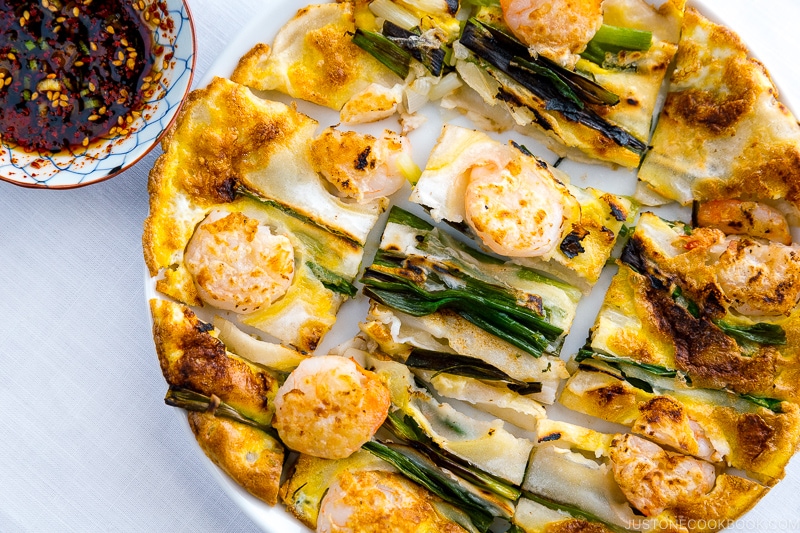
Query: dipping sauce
[74,71]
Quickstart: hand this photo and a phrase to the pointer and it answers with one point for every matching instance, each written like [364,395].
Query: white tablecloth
[86,442]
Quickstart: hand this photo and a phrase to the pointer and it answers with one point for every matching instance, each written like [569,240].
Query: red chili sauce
[71,71]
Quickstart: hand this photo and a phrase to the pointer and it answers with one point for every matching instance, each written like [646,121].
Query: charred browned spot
[571,245]
[660,408]
[706,109]
[550,437]
[632,101]
[534,303]
[754,436]
[362,161]
[618,210]
[606,395]
[709,356]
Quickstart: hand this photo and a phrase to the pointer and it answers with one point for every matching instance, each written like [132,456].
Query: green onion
[503,52]
[471,367]
[615,39]
[407,429]
[761,332]
[547,73]
[770,403]
[384,50]
[194,401]
[429,476]
[426,51]
[331,280]
[30,45]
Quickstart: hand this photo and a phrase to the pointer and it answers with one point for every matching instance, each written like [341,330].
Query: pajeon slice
[435,297]
[628,483]
[519,207]
[603,109]
[723,133]
[709,310]
[313,58]
[229,399]
[239,219]
[716,426]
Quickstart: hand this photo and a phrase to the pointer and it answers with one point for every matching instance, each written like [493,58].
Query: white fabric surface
[86,442]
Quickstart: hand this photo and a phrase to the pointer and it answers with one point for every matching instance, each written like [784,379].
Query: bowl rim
[156,141]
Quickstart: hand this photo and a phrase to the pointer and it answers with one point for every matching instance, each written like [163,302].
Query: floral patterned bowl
[174,55]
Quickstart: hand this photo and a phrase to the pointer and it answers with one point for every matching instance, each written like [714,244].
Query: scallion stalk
[381,48]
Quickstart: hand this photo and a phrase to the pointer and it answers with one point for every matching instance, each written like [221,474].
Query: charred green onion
[432,478]
[504,52]
[384,50]
[471,367]
[427,51]
[761,332]
[194,401]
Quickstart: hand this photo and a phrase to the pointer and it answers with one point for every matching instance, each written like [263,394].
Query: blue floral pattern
[113,154]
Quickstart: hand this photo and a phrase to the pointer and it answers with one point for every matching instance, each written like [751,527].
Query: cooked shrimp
[654,480]
[667,422]
[238,264]
[735,217]
[361,166]
[379,501]
[329,406]
[516,206]
[760,279]
[556,29]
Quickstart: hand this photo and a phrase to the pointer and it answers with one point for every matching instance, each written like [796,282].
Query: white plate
[770,514]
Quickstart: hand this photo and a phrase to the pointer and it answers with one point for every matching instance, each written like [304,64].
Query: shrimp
[379,501]
[653,479]
[760,279]
[556,29]
[516,206]
[237,264]
[361,166]
[736,217]
[329,406]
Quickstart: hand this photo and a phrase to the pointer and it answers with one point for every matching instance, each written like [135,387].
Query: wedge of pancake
[723,132]
[233,152]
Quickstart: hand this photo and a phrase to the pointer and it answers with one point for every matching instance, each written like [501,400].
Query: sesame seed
[78,63]
[34,96]
[8,81]
[85,139]
[124,132]
[64,104]
[110,29]
[11,56]
[51,76]
[26,14]
[45,4]
[57,29]
[93,47]
[145,86]
[92,86]
[129,119]
[116,63]
[131,63]
[120,121]
[124,42]
[76,11]
[49,95]
[61,19]
[102,110]
[93,117]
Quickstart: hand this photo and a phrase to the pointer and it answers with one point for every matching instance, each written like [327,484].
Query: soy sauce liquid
[71,72]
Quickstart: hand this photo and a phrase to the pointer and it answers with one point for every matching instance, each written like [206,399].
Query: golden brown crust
[193,359]
[722,133]
[251,457]
[731,497]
